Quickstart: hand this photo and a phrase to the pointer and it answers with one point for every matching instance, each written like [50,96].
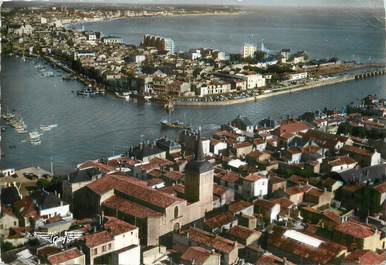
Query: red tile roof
[130,208]
[354,229]
[294,150]
[64,256]
[342,160]
[332,216]
[276,179]
[26,208]
[264,204]
[243,233]
[230,177]
[173,175]
[253,177]
[314,192]
[325,253]
[94,164]
[256,154]
[364,257]
[284,202]
[132,188]
[154,181]
[174,189]
[295,190]
[218,190]
[155,173]
[292,126]
[356,150]
[269,259]
[243,145]
[97,239]
[109,182]
[218,243]
[219,220]
[196,255]
[381,188]
[116,226]
[238,206]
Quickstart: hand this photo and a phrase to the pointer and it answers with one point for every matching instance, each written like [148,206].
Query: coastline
[263,96]
[107,19]
[204,104]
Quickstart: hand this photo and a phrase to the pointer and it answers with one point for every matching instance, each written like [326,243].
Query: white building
[249,50]
[8,172]
[217,146]
[112,40]
[214,87]
[24,29]
[194,54]
[298,76]
[253,80]
[118,243]
[50,205]
[255,185]
[299,59]
[170,45]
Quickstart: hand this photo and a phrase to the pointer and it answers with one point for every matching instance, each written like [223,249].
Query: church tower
[199,178]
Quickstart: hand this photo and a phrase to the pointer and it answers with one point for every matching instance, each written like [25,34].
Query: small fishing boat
[168,123]
[34,138]
[147,97]
[86,92]
[47,128]
[174,124]
[123,95]
[8,116]
[21,130]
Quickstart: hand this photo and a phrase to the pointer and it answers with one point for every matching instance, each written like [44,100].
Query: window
[176,212]
[95,251]
[109,246]
[103,248]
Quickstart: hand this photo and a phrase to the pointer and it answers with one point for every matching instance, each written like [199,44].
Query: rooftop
[132,188]
[355,229]
[130,208]
[218,243]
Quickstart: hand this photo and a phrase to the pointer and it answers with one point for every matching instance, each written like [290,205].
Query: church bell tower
[199,178]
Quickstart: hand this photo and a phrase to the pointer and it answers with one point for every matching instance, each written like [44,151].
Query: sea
[103,126]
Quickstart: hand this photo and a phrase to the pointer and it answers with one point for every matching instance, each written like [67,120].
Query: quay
[287,90]
[86,81]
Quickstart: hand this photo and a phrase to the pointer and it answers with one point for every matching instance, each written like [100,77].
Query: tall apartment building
[249,50]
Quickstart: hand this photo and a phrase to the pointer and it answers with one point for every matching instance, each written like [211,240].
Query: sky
[294,3]
[316,3]
[297,3]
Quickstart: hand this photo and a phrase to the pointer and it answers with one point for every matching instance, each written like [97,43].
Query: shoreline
[263,96]
[291,89]
[108,19]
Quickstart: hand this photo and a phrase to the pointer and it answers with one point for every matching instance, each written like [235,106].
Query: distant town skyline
[322,3]
[296,3]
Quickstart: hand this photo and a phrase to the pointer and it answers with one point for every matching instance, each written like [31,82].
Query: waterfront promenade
[275,92]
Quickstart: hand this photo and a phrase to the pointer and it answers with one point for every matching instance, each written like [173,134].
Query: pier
[370,74]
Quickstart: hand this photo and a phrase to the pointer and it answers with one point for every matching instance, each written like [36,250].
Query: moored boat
[47,128]
[86,92]
[34,138]
[123,95]
[174,124]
